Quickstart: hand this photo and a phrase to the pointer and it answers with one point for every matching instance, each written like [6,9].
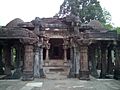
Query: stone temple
[28,49]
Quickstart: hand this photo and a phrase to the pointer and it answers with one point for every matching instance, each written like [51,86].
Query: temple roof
[50,22]
[15,22]
[96,25]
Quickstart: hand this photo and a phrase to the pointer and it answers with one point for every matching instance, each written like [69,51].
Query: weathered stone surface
[117,63]
[28,63]
[72,35]
[92,60]
[103,59]
[84,69]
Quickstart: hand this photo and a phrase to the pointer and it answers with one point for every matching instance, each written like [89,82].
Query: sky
[27,10]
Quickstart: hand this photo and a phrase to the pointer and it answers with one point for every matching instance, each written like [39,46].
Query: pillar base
[42,74]
[17,74]
[103,76]
[7,71]
[65,63]
[71,74]
[46,63]
[84,75]
[117,74]
[27,76]
[94,74]
[1,71]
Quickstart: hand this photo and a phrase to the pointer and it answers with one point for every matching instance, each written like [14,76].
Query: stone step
[56,69]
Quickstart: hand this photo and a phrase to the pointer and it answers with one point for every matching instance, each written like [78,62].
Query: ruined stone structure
[27,48]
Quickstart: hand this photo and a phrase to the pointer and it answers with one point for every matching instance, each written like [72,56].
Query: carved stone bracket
[72,42]
[66,43]
[46,43]
[84,42]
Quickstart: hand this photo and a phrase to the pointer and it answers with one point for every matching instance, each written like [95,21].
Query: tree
[118,30]
[109,26]
[107,16]
[87,10]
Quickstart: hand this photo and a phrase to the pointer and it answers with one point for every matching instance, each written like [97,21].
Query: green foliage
[118,30]
[107,16]
[87,10]
[108,26]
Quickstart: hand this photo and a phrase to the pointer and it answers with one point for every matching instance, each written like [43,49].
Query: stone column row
[6,60]
[80,63]
[103,61]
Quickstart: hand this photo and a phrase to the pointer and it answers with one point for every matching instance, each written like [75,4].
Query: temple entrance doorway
[56,49]
[58,62]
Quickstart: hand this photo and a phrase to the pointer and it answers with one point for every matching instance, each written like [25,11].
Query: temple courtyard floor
[60,84]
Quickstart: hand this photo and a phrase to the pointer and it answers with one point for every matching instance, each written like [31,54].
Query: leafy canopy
[87,10]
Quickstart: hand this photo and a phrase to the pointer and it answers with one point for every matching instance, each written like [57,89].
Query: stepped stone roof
[96,25]
[14,22]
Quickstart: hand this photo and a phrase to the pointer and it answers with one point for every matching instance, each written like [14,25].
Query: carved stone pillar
[110,63]
[92,60]
[117,62]
[103,60]
[28,62]
[73,58]
[65,47]
[98,51]
[7,58]
[38,62]
[65,53]
[47,54]
[72,67]
[77,61]
[47,47]
[84,71]
[42,74]
[1,62]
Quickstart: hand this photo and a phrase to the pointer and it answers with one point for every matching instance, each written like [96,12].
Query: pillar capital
[84,42]
[46,39]
[65,46]
[47,45]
